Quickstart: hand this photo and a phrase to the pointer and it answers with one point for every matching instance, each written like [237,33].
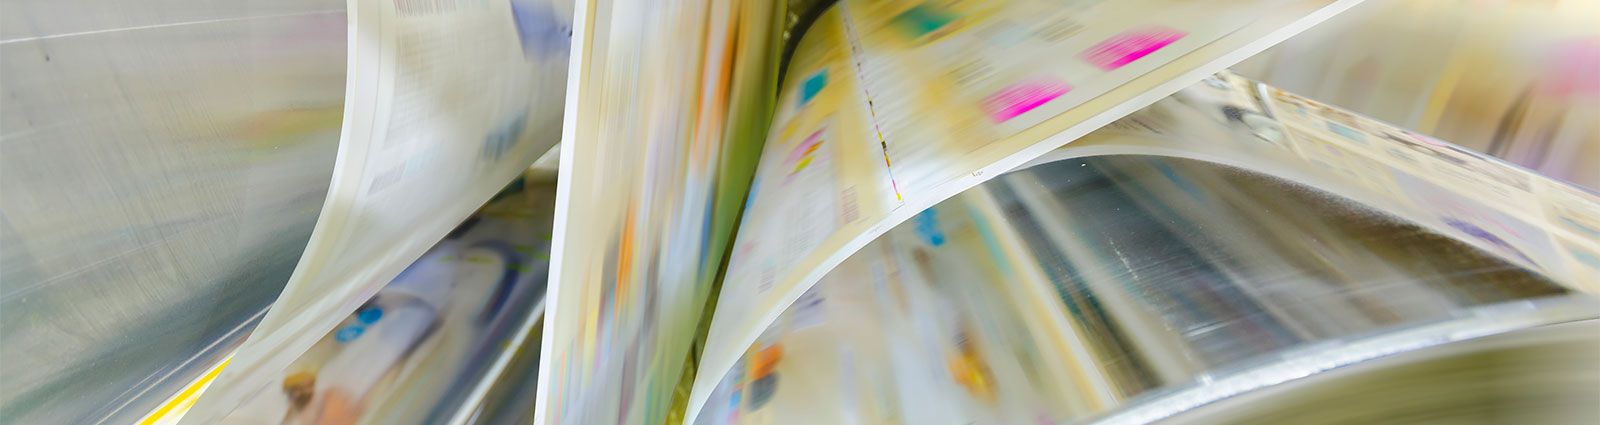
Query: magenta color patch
[1573,68]
[1127,47]
[805,147]
[1021,98]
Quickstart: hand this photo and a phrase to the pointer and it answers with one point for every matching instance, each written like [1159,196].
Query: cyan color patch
[369,315]
[928,227]
[349,333]
[1347,132]
[922,19]
[813,85]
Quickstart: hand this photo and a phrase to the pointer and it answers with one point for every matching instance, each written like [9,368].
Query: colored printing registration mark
[1127,47]
[1022,97]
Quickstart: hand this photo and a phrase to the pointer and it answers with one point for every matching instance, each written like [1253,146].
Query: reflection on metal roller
[163,165]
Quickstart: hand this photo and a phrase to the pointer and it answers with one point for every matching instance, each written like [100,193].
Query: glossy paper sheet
[1525,218]
[1227,239]
[1514,79]
[422,350]
[162,164]
[669,101]
[891,107]
[445,105]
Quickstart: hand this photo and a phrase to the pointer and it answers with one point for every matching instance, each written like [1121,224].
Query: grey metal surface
[1158,285]
[1546,375]
[161,167]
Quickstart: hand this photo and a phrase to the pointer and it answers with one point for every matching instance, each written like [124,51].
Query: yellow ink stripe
[175,407]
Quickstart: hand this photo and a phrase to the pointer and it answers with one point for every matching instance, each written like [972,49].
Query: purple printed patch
[1022,97]
[1127,47]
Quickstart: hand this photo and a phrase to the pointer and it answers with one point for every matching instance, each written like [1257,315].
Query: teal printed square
[922,19]
[813,85]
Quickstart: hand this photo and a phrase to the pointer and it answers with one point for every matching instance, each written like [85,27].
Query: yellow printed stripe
[175,407]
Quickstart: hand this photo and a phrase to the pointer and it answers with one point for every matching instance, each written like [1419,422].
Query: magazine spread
[987,122]
[445,104]
[652,170]
[840,164]
[1051,293]
[955,204]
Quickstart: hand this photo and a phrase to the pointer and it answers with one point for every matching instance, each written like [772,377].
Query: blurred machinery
[163,164]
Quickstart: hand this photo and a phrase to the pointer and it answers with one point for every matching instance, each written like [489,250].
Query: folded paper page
[1160,264]
[656,156]
[444,107]
[941,97]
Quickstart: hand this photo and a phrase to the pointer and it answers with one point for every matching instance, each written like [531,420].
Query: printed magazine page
[1158,265]
[445,105]
[856,85]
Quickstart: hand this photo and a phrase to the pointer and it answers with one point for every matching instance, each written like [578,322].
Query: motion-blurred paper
[1160,267]
[259,212]
[170,168]
[1519,80]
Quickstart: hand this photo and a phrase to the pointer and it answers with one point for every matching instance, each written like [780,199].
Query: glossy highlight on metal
[161,169]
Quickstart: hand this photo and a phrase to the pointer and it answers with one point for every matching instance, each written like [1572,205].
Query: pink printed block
[1127,47]
[1022,97]
[1572,68]
[805,148]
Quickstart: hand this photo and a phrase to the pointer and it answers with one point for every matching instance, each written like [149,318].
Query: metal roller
[161,167]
